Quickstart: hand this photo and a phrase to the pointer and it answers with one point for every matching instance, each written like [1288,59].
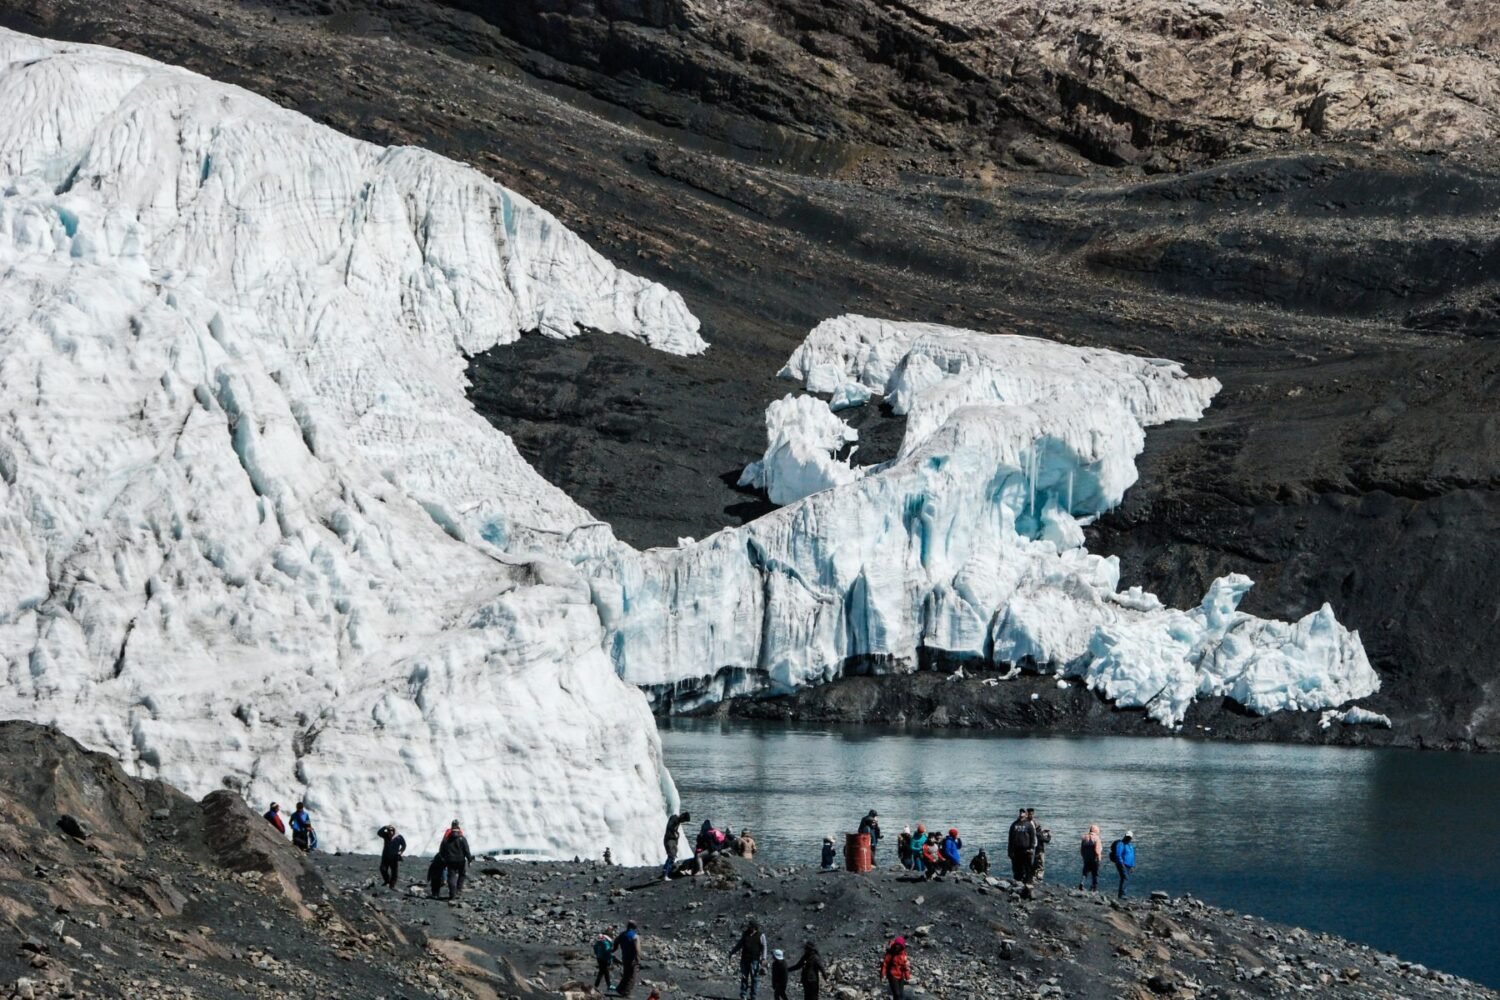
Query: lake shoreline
[1037,703]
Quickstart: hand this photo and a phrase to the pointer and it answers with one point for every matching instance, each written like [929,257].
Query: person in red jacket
[273,816]
[895,967]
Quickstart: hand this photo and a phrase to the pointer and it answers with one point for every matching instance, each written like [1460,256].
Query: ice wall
[969,544]
[251,531]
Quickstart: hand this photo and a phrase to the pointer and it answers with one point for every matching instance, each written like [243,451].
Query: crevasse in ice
[967,546]
[252,534]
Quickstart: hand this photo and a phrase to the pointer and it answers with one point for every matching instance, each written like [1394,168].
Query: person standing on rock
[751,948]
[952,860]
[903,847]
[302,828]
[628,948]
[670,839]
[1122,853]
[870,826]
[1020,846]
[391,852]
[604,957]
[895,967]
[1091,848]
[828,854]
[456,856]
[1039,855]
[744,847]
[273,816]
[812,969]
[918,842]
[779,976]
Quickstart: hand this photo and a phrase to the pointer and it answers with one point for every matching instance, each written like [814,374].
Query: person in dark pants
[391,853]
[1091,849]
[981,863]
[302,828]
[628,948]
[669,841]
[828,854]
[604,955]
[751,948]
[870,826]
[1122,853]
[895,968]
[436,872]
[1039,855]
[456,856]
[779,975]
[1021,847]
[812,969]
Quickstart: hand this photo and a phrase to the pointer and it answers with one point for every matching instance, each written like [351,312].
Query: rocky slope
[1343,283]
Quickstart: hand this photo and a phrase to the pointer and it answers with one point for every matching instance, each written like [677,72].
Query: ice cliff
[251,532]
[968,546]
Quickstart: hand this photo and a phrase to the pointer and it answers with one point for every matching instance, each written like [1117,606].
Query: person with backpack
[829,854]
[1039,855]
[870,826]
[302,829]
[812,969]
[895,967]
[951,860]
[981,863]
[604,957]
[1122,853]
[669,841]
[779,974]
[456,856]
[391,852]
[273,816]
[628,948]
[1021,845]
[751,948]
[1091,848]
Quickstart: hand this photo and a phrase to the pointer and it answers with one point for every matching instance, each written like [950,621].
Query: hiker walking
[1043,838]
[1122,853]
[870,826]
[604,957]
[628,947]
[778,974]
[812,969]
[391,852]
[1021,845]
[273,816]
[670,839]
[751,948]
[895,967]
[302,829]
[1091,848]
[456,856]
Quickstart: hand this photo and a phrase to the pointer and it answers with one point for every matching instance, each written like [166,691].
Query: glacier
[252,534]
[967,547]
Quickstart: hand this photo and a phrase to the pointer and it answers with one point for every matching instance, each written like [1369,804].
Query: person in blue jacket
[302,829]
[952,845]
[1122,853]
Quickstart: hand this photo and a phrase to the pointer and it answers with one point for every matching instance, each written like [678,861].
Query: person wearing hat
[813,970]
[778,974]
[273,816]
[918,844]
[604,957]
[981,863]
[1043,838]
[895,967]
[951,860]
[1122,853]
[455,855]
[870,826]
[828,854]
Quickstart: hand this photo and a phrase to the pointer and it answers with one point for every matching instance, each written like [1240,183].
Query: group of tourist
[711,840]
[303,835]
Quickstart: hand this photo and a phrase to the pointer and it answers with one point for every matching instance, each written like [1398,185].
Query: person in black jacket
[391,854]
[455,855]
[870,826]
[752,950]
[778,975]
[811,965]
[628,949]
[1021,847]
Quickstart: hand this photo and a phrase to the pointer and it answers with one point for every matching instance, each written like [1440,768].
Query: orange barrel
[857,852]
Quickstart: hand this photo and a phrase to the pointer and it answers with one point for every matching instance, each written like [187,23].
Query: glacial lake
[1397,849]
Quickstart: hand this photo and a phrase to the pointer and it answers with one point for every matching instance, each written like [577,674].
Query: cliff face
[1298,203]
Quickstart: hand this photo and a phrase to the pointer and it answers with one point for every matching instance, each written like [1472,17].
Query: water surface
[1395,848]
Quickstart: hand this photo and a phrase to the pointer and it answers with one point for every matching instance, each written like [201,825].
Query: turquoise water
[1395,848]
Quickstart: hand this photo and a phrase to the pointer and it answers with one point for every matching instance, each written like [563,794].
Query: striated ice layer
[252,534]
[804,438]
[966,547]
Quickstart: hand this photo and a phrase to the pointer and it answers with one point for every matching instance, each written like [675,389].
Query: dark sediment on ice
[1339,274]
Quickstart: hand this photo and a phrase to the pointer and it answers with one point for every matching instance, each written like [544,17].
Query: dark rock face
[1346,294]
